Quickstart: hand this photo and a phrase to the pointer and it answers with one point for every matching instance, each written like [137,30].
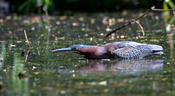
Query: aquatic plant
[13,81]
[33,5]
[3,56]
[168,4]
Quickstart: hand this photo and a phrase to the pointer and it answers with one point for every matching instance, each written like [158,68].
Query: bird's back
[125,43]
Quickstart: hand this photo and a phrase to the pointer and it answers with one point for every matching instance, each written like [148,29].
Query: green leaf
[172,20]
[47,3]
[171,4]
[166,13]
[165,6]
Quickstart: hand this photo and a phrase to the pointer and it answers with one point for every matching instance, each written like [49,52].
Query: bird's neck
[92,49]
[95,52]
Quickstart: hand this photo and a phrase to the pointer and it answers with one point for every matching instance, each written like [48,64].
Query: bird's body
[123,49]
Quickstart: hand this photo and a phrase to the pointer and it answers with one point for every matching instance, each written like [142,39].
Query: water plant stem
[27,41]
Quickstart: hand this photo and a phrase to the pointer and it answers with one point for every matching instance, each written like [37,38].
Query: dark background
[25,6]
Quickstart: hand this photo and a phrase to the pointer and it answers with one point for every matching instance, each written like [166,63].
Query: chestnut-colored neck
[95,52]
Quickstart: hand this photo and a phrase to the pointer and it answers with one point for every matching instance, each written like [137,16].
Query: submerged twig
[141,27]
[27,41]
[155,9]
[135,20]
[128,23]
[29,46]
[27,55]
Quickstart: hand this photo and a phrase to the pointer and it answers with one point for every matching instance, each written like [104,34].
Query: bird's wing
[132,52]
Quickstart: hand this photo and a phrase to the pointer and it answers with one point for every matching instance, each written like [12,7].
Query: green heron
[123,49]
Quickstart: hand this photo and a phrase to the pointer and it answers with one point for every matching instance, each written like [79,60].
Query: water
[32,70]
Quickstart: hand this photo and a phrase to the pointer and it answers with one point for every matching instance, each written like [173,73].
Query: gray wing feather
[139,51]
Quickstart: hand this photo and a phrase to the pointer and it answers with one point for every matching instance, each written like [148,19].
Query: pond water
[32,70]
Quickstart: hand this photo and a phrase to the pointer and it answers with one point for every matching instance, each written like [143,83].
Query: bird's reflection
[123,66]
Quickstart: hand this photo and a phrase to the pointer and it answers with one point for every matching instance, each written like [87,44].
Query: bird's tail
[156,49]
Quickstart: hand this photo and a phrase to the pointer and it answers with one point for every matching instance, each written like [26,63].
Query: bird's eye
[74,49]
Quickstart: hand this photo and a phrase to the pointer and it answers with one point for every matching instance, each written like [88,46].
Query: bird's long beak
[62,50]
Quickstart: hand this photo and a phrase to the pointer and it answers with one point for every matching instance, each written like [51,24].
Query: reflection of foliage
[19,87]
[13,66]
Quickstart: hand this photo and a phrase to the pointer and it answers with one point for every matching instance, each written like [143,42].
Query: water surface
[34,71]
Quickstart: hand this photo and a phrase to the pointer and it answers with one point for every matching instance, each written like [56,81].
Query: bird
[121,49]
